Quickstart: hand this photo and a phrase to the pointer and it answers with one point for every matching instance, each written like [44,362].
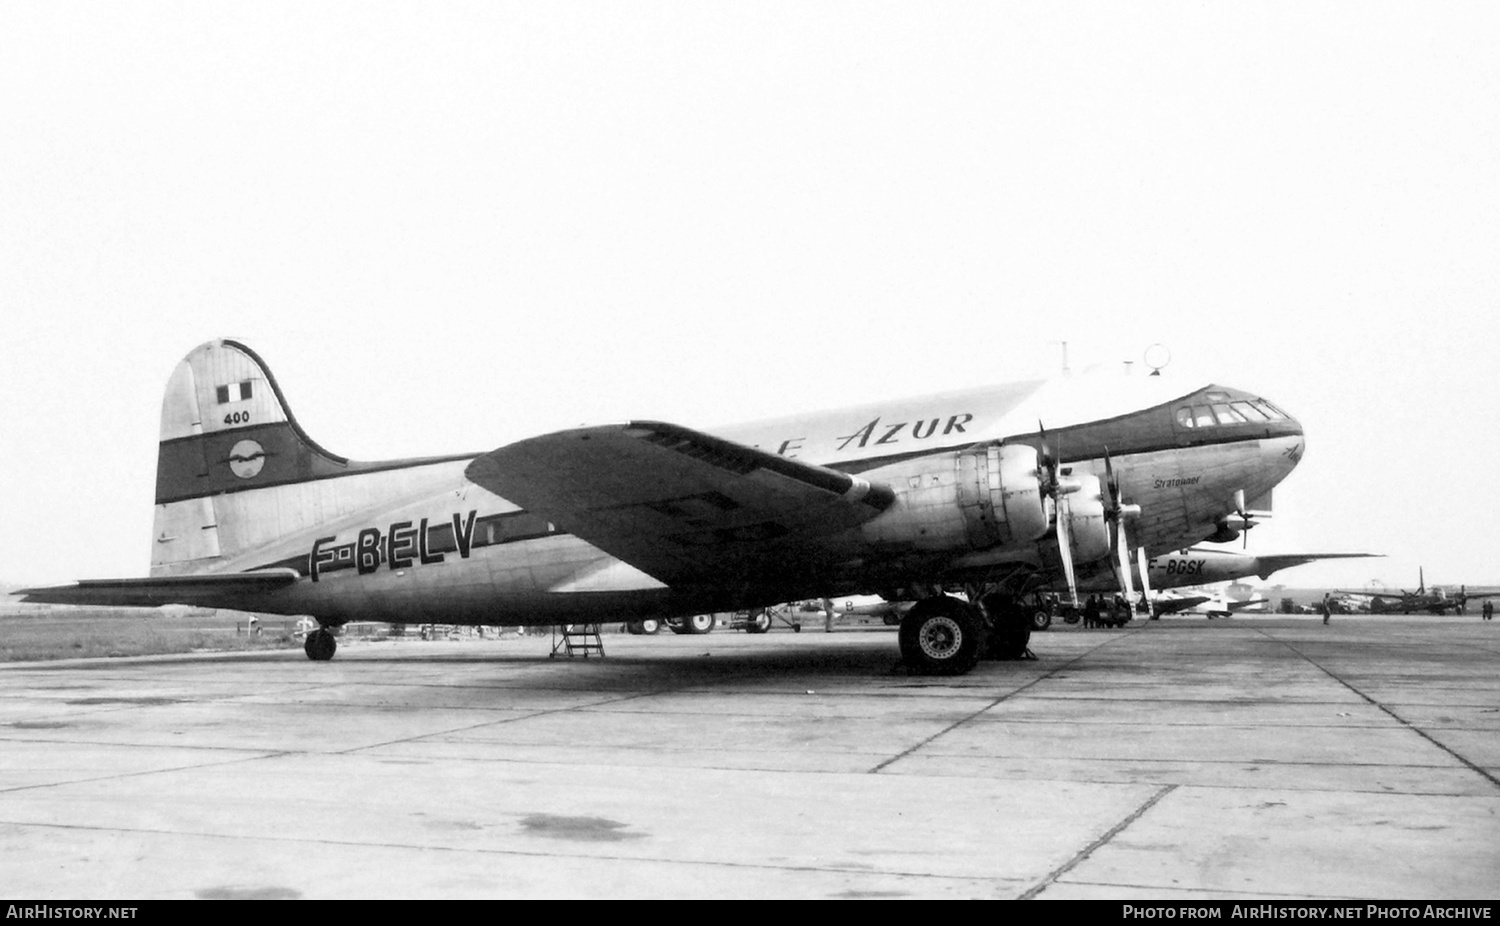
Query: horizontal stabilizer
[207,590]
[1173,605]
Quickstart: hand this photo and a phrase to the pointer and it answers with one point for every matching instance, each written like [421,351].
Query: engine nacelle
[1087,528]
[973,499]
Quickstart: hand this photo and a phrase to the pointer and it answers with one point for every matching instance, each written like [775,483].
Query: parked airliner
[965,500]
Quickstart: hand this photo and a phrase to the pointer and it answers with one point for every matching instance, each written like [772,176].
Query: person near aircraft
[1488,610]
[1091,612]
[1327,609]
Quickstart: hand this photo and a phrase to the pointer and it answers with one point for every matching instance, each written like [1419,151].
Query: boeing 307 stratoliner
[986,493]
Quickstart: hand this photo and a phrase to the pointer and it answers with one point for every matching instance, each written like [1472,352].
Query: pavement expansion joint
[1091,848]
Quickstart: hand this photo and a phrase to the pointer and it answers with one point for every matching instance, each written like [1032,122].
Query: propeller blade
[1046,459]
[1122,551]
[1116,511]
[1140,556]
[1111,480]
[1247,517]
[1065,548]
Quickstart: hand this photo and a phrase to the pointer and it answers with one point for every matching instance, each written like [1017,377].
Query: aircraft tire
[320,645]
[941,636]
[650,626]
[760,623]
[634,628]
[698,623]
[1041,619]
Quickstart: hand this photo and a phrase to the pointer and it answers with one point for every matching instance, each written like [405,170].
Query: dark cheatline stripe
[489,530]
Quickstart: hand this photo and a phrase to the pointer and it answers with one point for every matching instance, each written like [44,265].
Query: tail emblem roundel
[246,459]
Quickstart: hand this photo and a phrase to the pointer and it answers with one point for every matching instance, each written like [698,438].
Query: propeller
[1239,508]
[1116,512]
[1247,518]
[1054,486]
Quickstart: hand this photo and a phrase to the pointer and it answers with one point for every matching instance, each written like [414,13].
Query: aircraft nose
[1283,423]
[1291,427]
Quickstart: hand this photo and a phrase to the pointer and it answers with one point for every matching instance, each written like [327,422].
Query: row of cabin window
[1208,416]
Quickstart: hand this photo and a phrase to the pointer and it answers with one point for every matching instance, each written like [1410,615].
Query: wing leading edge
[678,504]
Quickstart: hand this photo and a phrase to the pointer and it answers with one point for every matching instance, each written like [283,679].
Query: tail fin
[226,434]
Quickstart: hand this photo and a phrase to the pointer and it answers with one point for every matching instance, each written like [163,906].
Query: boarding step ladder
[577,640]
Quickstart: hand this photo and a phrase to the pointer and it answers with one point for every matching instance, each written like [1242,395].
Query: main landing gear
[943,635]
[320,645]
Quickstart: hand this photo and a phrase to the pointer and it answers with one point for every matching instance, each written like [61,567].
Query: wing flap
[673,502]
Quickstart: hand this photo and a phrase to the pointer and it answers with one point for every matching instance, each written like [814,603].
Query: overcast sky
[447,226]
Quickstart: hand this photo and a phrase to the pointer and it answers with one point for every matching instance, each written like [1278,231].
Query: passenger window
[1227,415]
[1184,417]
[1250,412]
[1202,417]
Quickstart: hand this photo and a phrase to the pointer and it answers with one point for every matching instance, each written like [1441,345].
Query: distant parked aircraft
[1436,601]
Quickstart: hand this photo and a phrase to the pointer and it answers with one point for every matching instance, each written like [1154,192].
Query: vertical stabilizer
[225,432]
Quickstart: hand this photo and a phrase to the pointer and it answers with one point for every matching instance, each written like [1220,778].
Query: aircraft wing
[679,505]
[160,590]
[1277,562]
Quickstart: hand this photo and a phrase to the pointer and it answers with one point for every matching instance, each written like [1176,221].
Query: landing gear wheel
[320,645]
[650,626]
[1011,624]
[1041,619]
[760,623]
[941,636]
[698,623]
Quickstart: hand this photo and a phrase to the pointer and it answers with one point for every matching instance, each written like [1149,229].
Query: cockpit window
[1250,412]
[1227,415]
[1272,412]
[1227,412]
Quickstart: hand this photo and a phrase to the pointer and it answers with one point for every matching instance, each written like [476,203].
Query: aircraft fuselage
[447,550]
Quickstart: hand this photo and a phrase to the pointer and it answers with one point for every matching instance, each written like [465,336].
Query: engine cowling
[1088,531]
[972,499]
